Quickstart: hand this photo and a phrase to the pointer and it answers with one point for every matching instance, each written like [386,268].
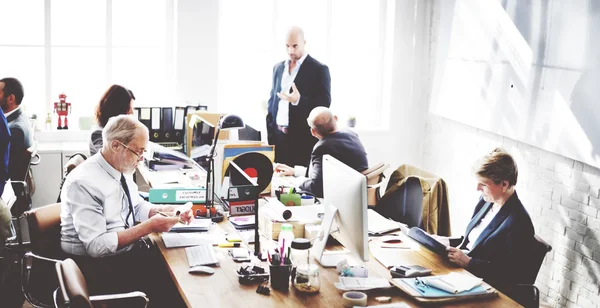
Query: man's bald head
[322,121]
[294,43]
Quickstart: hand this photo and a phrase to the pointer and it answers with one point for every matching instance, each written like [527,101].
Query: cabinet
[49,172]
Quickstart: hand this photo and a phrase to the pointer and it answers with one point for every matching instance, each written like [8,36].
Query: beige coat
[436,212]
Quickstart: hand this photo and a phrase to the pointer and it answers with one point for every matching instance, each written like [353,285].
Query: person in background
[343,145]
[500,232]
[11,97]
[115,101]
[104,221]
[300,84]
[5,215]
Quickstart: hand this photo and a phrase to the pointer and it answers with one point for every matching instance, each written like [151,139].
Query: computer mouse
[200,269]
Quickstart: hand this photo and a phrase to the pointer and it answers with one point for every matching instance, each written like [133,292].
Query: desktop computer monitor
[345,189]
[202,140]
[203,134]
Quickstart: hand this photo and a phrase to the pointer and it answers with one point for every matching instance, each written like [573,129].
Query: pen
[224,245]
[165,215]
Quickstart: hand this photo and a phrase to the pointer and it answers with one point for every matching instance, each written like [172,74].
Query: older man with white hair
[344,145]
[103,219]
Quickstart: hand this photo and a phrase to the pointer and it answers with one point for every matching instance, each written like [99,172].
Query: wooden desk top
[222,289]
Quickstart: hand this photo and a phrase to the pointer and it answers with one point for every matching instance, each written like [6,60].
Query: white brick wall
[561,196]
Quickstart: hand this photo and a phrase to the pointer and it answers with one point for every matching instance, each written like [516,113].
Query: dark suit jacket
[314,84]
[20,140]
[20,130]
[4,153]
[345,147]
[499,251]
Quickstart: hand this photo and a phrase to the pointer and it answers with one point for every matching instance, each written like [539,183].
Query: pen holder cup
[280,277]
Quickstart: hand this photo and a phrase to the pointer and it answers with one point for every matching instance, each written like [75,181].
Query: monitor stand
[328,258]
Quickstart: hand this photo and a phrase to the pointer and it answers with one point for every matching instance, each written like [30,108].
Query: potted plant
[33,121]
[351,121]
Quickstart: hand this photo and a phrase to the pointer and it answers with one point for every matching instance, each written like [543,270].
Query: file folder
[177,195]
[166,128]
[179,124]
[155,117]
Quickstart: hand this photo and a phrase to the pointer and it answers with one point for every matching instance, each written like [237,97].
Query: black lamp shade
[231,121]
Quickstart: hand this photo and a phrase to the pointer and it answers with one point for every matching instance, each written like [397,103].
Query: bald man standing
[300,84]
[343,145]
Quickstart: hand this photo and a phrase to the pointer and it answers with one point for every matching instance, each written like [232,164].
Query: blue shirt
[4,151]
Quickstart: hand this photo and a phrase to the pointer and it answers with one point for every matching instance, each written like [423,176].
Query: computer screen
[204,134]
[346,189]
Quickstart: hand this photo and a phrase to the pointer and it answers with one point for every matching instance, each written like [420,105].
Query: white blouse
[483,223]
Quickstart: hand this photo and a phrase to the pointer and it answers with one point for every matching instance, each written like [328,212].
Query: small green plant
[351,121]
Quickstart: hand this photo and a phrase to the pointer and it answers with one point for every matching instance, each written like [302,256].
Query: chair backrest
[536,258]
[73,291]
[44,230]
[404,204]
[22,184]
[374,180]
[20,161]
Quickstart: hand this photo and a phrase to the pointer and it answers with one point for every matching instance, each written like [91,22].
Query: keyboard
[201,255]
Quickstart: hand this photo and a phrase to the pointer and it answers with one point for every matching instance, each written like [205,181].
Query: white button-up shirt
[94,208]
[485,221]
[11,112]
[287,79]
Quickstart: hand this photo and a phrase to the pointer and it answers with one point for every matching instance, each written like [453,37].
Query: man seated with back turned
[344,145]
[104,220]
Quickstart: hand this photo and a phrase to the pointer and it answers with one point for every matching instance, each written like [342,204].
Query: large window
[81,47]
[353,37]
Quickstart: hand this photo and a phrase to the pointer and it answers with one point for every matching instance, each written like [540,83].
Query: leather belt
[283,129]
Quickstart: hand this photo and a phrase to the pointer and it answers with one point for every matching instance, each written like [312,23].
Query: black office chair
[404,205]
[528,294]
[18,172]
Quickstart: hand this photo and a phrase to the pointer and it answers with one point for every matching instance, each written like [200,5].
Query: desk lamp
[227,122]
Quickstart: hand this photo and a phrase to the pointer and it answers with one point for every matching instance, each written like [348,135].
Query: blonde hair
[497,166]
[321,119]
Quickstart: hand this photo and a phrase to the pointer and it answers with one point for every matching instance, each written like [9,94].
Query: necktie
[126,189]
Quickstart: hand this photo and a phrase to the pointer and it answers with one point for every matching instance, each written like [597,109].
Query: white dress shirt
[94,208]
[12,111]
[485,221]
[287,79]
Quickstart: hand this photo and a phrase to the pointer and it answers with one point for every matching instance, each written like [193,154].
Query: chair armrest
[26,264]
[375,185]
[96,299]
[37,160]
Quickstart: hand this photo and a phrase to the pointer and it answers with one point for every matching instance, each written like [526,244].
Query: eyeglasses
[139,155]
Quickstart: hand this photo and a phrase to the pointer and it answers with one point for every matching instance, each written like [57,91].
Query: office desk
[223,290]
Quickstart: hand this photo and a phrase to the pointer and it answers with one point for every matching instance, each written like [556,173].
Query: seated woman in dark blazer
[115,101]
[500,233]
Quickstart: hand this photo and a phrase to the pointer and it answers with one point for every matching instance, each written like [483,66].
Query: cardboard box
[270,218]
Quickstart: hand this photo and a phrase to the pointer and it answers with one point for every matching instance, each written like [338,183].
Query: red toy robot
[62,108]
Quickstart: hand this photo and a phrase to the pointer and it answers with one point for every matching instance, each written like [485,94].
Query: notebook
[379,225]
[197,225]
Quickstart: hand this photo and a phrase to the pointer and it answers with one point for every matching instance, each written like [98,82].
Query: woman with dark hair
[115,101]
[500,233]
